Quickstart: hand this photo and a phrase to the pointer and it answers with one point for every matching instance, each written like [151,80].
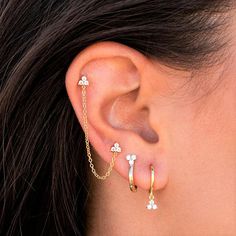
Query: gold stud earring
[131,159]
[151,205]
[115,149]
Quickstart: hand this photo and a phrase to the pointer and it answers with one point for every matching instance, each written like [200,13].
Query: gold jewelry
[152,205]
[131,158]
[115,149]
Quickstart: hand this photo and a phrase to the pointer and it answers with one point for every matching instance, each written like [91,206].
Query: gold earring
[131,159]
[115,149]
[151,205]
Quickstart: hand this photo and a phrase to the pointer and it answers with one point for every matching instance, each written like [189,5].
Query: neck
[115,210]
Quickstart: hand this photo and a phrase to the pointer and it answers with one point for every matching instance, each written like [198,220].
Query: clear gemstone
[116,148]
[83,81]
[151,205]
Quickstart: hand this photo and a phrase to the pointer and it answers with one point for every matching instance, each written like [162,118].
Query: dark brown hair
[43,166]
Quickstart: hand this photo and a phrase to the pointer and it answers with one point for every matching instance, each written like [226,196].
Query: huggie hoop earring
[152,205]
[131,158]
[115,149]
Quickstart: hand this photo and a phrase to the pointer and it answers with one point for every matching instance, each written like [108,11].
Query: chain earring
[115,149]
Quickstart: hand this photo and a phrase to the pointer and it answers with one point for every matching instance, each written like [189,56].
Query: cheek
[202,147]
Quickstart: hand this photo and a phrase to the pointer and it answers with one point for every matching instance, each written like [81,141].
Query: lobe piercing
[131,159]
[116,148]
[152,205]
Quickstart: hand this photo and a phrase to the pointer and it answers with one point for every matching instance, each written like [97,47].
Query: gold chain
[90,160]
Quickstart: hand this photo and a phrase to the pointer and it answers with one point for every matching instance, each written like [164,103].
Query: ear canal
[124,116]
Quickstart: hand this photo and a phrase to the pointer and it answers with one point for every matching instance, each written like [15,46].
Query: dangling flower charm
[152,205]
[83,81]
[131,158]
[116,148]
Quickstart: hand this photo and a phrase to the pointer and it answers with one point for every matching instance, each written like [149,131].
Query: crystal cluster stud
[116,148]
[152,205]
[83,81]
[131,158]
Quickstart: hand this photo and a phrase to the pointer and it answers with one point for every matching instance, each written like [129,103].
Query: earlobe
[115,110]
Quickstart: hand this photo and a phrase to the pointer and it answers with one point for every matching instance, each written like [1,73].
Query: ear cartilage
[131,159]
[114,149]
[152,205]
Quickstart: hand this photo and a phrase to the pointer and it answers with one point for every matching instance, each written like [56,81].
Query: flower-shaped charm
[83,81]
[151,205]
[116,148]
[131,158]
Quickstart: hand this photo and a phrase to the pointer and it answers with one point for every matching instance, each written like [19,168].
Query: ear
[119,108]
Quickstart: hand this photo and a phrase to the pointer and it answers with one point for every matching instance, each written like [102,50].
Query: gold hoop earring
[131,159]
[115,149]
[151,205]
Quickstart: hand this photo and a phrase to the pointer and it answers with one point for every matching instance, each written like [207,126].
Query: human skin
[185,128]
